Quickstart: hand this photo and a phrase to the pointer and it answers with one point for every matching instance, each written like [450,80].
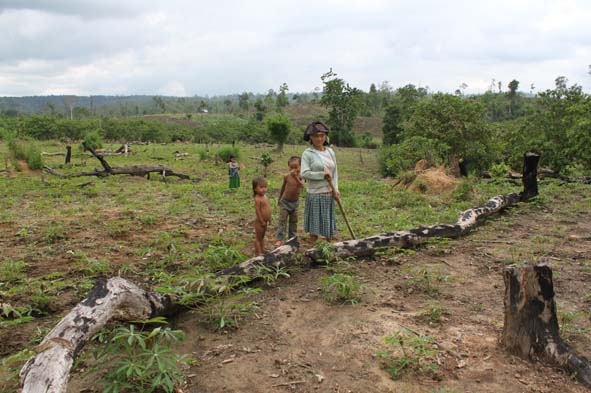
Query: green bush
[140,361]
[93,140]
[395,159]
[342,288]
[499,170]
[226,151]
[34,159]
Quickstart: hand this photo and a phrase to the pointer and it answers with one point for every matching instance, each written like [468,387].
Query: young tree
[243,101]
[392,124]
[261,110]
[279,127]
[513,86]
[282,98]
[560,127]
[400,110]
[343,103]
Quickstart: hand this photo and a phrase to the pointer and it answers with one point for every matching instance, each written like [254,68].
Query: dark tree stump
[68,154]
[530,176]
[463,168]
[531,326]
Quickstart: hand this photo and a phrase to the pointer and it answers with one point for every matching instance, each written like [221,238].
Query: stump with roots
[531,326]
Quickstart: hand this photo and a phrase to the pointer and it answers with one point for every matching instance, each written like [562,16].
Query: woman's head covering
[313,128]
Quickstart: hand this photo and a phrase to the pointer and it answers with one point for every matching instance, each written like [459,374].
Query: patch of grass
[341,288]
[226,311]
[13,271]
[423,279]
[432,314]
[55,233]
[409,352]
[573,323]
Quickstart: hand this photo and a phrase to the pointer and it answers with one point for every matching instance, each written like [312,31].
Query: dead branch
[137,170]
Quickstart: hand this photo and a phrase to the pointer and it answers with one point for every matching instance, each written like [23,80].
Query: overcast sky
[217,47]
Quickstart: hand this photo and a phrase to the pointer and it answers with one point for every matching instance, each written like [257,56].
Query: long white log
[116,298]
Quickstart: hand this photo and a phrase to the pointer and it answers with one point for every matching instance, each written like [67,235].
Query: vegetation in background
[279,127]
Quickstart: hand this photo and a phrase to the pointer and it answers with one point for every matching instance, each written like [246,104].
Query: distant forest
[70,106]
[407,123]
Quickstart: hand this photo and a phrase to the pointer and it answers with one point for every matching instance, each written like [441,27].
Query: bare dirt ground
[296,341]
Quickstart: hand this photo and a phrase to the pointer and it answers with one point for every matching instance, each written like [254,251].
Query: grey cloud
[87,10]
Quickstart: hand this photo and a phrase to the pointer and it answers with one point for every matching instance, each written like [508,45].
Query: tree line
[494,128]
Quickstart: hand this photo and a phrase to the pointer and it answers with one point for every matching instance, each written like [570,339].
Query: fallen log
[414,237]
[531,327]
[136,170]
[122,300]
[280,257]
[116,298]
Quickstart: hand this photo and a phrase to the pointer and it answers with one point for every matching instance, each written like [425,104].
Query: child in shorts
[289,201]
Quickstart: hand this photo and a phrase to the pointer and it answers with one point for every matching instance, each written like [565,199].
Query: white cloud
[182,47]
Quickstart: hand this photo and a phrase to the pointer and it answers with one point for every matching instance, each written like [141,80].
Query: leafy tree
[93,140]
[279,127]
[343,103]
[559,128]
[270,99]
[243,101]
[399,111]
[392,124]
[513,86]
[282,98]
[456,122]
[373,99]
[261,109]
[159,103]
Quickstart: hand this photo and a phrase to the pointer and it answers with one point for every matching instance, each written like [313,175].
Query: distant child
[263,211]
[233,172]
[289,201]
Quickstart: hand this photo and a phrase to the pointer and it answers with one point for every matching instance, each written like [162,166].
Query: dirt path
[295,341]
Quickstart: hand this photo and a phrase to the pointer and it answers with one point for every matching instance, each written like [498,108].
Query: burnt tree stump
[531,327]
[68,154]
[530,176]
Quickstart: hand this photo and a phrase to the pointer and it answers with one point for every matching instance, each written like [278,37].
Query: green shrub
[499,170]
[93,140]
[463,191]
[395,159]
[409,351]
[34,159]
[342,288]
[139,361]
[226,151]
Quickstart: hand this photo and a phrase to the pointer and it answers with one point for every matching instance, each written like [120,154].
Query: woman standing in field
[319,168]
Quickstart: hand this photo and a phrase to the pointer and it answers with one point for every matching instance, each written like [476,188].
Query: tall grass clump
[226,151]
[34,159]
